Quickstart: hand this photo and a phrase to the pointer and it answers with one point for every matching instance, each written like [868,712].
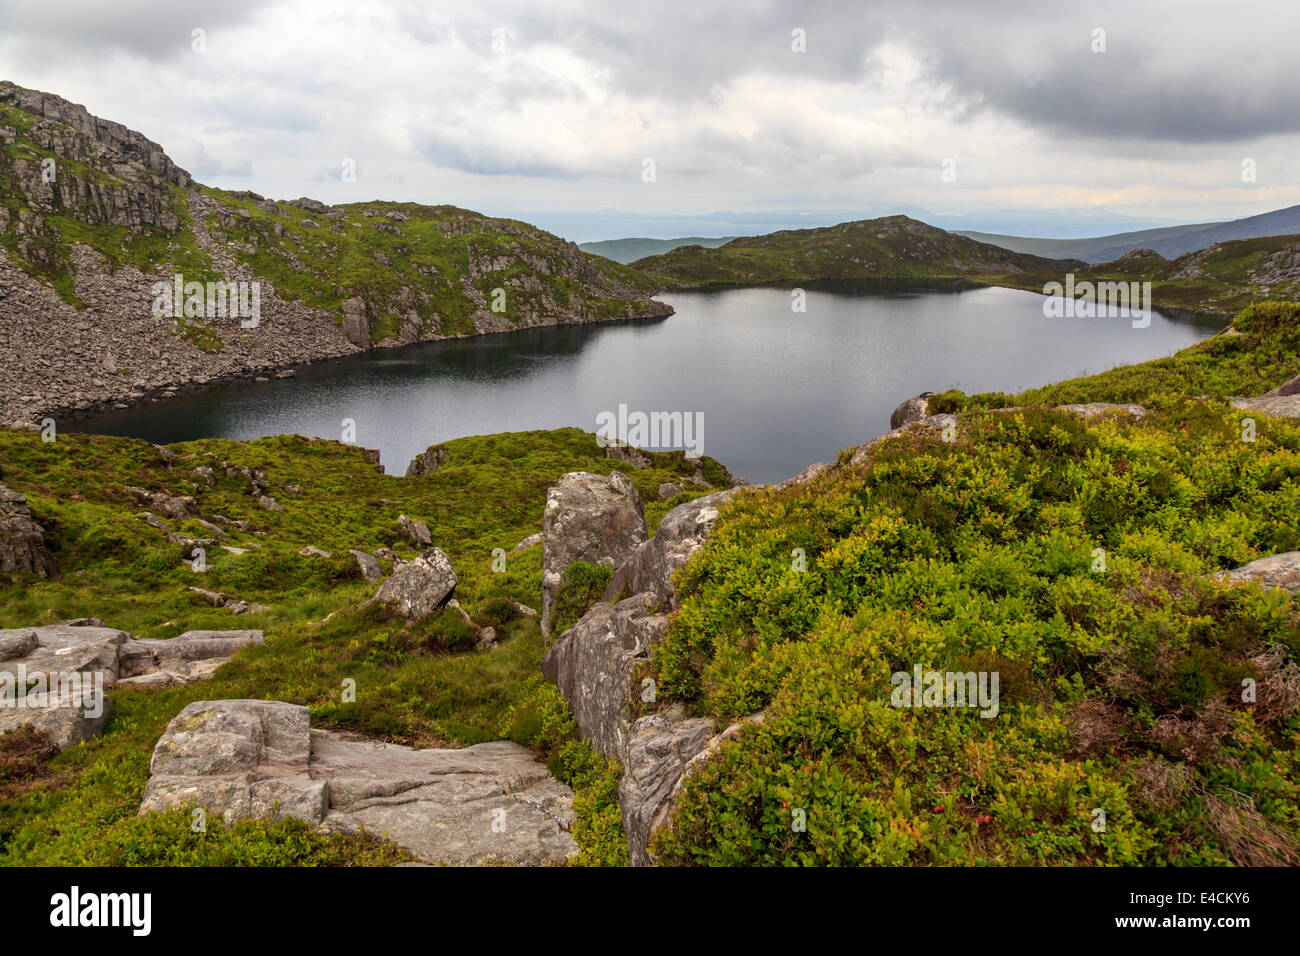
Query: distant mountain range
[1171,242]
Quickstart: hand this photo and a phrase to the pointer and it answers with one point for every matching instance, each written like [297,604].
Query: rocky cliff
[97,223]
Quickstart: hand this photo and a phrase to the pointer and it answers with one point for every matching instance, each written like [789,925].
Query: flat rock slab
[249,759]
[55,677]
[1275,571]
[1279,406]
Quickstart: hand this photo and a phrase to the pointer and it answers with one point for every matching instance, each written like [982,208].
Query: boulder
[912,410]
[417,531]
[22,540]
[651,566]
[1291,387]
[311,551]
[593,661]
[176,507]
[594,518]
[1275,571]
[419,587]
[256,759]
[369,565]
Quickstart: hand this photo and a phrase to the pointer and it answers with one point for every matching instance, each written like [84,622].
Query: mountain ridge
[94,215]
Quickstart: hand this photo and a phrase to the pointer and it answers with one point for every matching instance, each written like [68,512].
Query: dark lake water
[776,390]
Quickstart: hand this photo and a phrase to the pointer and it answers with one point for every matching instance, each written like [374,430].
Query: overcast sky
[548,110]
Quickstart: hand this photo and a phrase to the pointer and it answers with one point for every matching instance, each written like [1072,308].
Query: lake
[774,390]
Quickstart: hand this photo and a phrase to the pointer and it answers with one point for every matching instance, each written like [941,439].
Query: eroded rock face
[593,661]
[420,587]
[912,410]
[1275,571]
[594,518]
[651,566]
[22,539]
[257,759]
[659,749]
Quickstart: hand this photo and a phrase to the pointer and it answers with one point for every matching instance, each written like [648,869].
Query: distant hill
[1170,242]
[629,250]
[889,247]
[1224,277]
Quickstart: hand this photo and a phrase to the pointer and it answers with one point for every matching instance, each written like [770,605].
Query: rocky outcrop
[56,677]
[258,759]
[595,661]
[22,539]
[594,518]
[184,659]
[1275,571]
[427,461]
[621,451]
[912,410]
[420,587]
[592,664]
[681,532]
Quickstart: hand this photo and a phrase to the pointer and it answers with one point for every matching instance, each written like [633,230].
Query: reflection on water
[777,389]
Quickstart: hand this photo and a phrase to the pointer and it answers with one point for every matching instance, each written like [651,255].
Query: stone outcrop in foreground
[55,677]
[594,663]
[598,519]
[259,759]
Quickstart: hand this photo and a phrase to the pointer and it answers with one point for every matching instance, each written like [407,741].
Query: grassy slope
[891,247]
[420,685]
[1121,689]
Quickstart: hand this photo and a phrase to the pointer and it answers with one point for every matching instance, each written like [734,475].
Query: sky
[703,117]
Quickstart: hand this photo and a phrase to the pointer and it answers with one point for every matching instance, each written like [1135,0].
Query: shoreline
[71,414]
